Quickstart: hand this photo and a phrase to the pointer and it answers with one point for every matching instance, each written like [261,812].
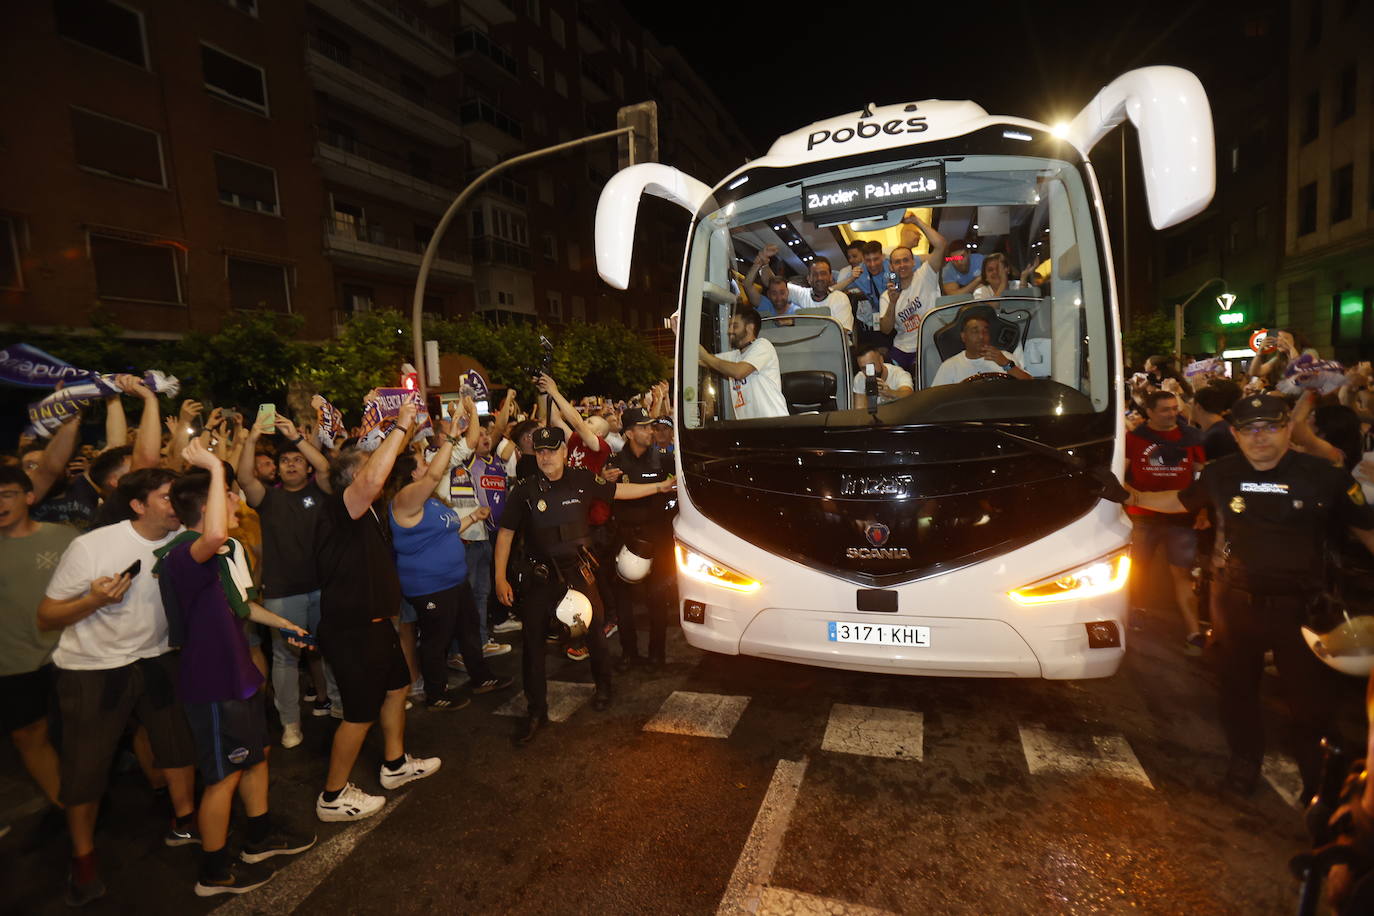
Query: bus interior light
[1100,577]
[698,566]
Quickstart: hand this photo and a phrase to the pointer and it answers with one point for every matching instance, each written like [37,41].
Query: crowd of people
[188,589]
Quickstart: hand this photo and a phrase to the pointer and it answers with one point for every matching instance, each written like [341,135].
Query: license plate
[880,634]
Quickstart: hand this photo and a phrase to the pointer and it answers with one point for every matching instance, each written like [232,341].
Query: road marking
[779,901]
[298,876]
[760,853]
[704,715]
[565,698]
[1047,752]
[874,731]
[1282,774]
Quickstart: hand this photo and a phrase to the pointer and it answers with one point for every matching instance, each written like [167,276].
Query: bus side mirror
[618,209]
[1169,108]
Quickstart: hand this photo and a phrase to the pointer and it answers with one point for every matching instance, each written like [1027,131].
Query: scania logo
[878,535]
[866,130]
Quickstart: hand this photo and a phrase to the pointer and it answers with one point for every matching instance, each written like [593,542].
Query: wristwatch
[1011,364]
[399,428]
[297,440]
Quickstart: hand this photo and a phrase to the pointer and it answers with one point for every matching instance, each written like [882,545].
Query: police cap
[635,416]
[548,437]
[1266,408]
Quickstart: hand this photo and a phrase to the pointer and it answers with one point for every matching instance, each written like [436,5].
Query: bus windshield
[1008,320]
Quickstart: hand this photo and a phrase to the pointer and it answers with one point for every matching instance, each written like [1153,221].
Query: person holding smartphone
[911,294]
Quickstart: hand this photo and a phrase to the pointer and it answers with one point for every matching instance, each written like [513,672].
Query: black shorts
[367,663]
[231,736]
[96,705]
[24,698]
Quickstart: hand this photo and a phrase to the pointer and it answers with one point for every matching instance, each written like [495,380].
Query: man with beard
[752,368]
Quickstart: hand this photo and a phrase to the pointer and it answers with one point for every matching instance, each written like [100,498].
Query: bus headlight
[704,569]
[1100,577]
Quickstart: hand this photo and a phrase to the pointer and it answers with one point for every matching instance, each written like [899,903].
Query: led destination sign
[873,195]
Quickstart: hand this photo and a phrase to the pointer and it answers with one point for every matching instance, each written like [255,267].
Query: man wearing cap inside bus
[751,367]
[1275,511]
[552,508]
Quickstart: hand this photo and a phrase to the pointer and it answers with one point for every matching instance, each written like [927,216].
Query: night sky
[1042,61]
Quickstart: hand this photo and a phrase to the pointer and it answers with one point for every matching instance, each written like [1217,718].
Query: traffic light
[643,117]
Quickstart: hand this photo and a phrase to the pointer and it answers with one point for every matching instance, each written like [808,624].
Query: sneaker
[322,708]
[291,735]
[1194,644]
[277,843]
[509,625]
[240,879]
[578,653]
[611,629]
[449,700]
[456,663]
[309,695]
[414,768]
[409,706]
[553,636]
[82,894]
[495,648]
[417,690]
[353,804]
[177,836]
[335,711]
[496,683]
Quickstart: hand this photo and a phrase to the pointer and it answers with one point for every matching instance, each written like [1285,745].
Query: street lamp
[1178,314]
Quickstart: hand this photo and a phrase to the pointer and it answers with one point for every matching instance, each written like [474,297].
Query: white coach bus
[963,530]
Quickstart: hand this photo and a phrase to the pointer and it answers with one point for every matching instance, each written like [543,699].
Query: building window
[574,256]
[117,149]
[560,84]
[1311,117]
[11,272]
[136,271]
[557,30]
[546,194]
[1233,236]
[1342,193]
[550,246]
[1235,158]
[259,285]
[110,27]
[356,299]
[244,184]
[537,66]
[555,305]
[1307,209]
[539,125]
[1345,95]
[233,80]
[1348,316]
[579,308]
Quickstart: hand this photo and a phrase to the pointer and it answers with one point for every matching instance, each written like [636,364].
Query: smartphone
[133,569]
[308,639]
[892,277]
[267,417]
[230,414]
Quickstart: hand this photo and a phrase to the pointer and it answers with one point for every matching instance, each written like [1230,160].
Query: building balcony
[595,87]
[497,12]
[396,29]
[381,95]
[368,168]
[489,126]
[590,35]
[372,248]
[489,250]
[501,186]
[475,48]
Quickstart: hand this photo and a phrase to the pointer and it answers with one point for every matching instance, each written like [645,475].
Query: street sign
[1256,337]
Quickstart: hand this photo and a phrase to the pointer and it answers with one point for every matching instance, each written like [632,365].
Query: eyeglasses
[1255,430]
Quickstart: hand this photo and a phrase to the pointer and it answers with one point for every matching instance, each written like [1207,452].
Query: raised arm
[502,421]
[409,503]
[214,523]
[567,411]
[307,448]
[55,457]
[253,490]
[116,421]
[371,477]
[935,258]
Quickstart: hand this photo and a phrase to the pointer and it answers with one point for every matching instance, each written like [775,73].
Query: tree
[367,354]
[605,359]
[250,360]
[1148,336]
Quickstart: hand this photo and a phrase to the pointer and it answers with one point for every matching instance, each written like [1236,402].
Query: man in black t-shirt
[1276,512]
[552,508]
[359,594]
[291,515]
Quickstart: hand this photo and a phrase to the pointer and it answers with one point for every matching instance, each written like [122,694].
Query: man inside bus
[904,305]
[752,368]
[893,381]
[820,294]
[963,272]
[775,302]
[978,356]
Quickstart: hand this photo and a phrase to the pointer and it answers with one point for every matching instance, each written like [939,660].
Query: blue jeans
[304,611]
[479,560]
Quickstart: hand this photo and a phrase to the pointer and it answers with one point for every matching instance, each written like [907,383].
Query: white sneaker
[336,711]
[353,804]
[414,768]
[417,690]
[495,648]
[509,625]
[290,735]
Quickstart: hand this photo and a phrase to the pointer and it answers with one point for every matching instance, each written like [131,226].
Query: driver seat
[1006,335]
[809,391]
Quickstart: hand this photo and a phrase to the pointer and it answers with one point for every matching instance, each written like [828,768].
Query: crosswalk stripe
[754,867]
[1281,772]
[1048,752]
[565,698]
[874,731]
[780,901]
[704,715]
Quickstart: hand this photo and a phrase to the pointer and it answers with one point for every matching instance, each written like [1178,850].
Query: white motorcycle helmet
[1343,638]
[634,560]
[575,611]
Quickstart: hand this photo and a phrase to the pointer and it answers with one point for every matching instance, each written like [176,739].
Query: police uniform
[1274,530]
[553,516]
[645,520]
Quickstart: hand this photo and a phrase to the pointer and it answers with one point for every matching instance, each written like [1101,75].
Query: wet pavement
[725,784]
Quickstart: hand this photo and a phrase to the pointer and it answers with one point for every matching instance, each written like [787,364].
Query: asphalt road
[737,785]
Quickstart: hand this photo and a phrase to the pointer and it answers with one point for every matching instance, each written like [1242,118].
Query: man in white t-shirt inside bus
[893,381]
[751,367]
[906,302]
[978,356]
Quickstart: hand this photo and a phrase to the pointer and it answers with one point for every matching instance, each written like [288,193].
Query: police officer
[643,525]
[1277,513]
[552,508]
